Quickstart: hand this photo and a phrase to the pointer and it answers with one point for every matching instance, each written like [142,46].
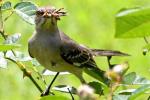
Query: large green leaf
[5,47]
[26,10]
[134,79]
[139,91]
[129,78]
[54,98]
[131,23]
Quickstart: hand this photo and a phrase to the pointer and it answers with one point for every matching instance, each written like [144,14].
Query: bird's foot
[47,92]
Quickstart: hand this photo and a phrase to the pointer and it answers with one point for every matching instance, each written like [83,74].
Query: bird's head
[48,16]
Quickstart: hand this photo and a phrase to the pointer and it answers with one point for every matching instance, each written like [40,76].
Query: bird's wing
[81,57]
[76,54]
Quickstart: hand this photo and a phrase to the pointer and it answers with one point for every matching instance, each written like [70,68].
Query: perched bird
[58,52]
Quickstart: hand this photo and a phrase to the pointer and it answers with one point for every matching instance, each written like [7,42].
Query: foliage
[130,23]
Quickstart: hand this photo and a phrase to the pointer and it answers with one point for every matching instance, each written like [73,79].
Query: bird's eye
[39,12]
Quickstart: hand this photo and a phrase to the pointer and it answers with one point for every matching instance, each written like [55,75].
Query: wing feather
[77,55]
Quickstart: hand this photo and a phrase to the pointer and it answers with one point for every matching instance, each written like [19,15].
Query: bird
[57,52]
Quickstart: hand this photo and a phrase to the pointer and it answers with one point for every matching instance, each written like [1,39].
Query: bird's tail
[98,74]
[101,52]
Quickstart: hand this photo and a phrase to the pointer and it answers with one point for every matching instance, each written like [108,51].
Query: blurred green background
[89,22]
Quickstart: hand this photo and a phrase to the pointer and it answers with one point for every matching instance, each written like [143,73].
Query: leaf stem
[8,16]
[145,39]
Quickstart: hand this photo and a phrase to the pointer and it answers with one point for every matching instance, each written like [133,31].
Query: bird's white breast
[45,49]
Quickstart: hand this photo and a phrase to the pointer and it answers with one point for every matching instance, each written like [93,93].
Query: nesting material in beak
[51,12]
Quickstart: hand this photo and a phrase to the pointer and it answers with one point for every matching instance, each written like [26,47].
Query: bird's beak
[46,14]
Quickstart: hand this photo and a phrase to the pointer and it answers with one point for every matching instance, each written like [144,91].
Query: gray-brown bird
[58,52]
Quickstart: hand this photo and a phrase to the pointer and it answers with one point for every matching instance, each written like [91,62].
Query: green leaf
[54,98]
[64,88]
[48,72]
[139,91]
[141,80]
[35,63]
[134,79]
[19,56]
[120,97]
[13,38]
[126,92]
[96,86]
[5,47]
[26,10]
[6,5]
[129,78]
[133,23]
[3,61]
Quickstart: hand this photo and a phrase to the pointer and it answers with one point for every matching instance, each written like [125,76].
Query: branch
[70,94]
[25,72]
[20,64]
[145,39]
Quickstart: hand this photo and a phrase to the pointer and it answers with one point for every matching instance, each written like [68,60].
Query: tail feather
[97,74]
[100,52]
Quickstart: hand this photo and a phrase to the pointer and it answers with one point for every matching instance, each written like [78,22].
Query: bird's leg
[47,91]
[108,60]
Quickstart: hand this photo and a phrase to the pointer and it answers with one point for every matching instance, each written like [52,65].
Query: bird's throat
[48,25]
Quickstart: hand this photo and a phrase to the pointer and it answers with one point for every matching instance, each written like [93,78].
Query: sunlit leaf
[54,98]
[3,61]
[141,80]
[134,79]
[19,56]
[126,92]
[5,47]
[13,38]
[35,62]
[48,72]
[139,91]
[65,88]
[6,5]
[26,10]
[129,78]
[120,97]
[131,23]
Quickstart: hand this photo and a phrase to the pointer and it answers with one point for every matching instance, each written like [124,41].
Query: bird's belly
[52,61]
[50,58]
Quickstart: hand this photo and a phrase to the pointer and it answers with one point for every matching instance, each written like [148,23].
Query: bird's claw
[45,93]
